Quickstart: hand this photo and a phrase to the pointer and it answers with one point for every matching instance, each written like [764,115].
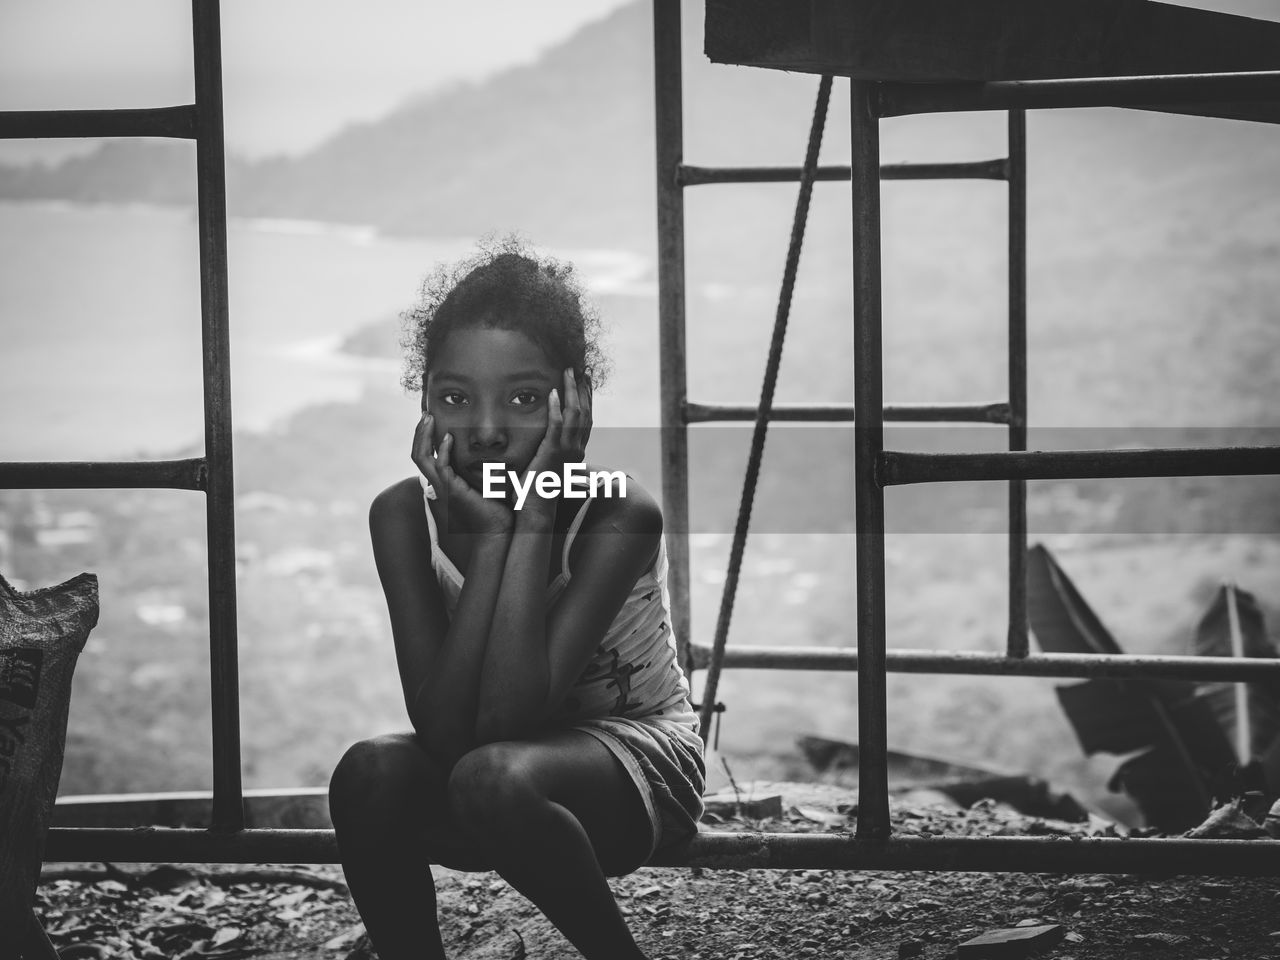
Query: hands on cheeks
[564,441]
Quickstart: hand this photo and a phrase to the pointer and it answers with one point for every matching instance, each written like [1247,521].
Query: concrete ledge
[297,808]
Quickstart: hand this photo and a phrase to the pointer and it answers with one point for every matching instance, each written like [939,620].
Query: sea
[100,352]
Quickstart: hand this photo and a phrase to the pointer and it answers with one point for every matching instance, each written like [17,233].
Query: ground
[141,911]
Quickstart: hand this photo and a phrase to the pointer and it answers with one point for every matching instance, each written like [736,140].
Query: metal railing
[678,411]
[212,473]
[876,468]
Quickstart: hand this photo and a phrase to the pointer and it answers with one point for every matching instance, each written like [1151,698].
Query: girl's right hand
[477,514]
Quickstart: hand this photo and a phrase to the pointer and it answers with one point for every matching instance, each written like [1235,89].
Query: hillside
[563,149]
[1165,227]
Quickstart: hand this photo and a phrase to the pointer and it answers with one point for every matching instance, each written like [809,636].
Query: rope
[766,406]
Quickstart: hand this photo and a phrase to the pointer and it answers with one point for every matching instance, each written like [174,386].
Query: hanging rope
[765,408]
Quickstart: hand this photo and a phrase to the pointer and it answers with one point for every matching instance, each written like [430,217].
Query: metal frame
[228,841]
[678,412]
[875,468]
[212,473]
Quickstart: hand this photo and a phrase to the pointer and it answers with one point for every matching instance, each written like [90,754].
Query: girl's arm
[439,656]
[439,659]
[514,677]
[533,658]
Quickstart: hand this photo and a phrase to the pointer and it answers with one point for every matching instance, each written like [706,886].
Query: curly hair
[505,286]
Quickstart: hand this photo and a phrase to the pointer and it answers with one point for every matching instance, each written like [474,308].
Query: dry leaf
[346,939]
[1228,822]
[226,935]
[824,817]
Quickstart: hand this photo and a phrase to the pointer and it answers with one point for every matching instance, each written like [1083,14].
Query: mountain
[551,146]
[563,149]
[1164,227]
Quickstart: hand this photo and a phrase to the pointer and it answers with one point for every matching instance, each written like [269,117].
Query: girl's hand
[566,436]
[478,514]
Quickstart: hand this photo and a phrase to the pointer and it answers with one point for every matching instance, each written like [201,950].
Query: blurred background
[366,146]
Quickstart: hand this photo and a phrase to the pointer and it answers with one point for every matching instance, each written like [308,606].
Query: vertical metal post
[228,812]
[669,117]
[1017,639]
[873,772]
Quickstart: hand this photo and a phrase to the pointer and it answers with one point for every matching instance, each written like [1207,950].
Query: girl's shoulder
[402,495]
[399,509]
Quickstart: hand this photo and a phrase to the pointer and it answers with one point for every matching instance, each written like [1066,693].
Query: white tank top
[634,672]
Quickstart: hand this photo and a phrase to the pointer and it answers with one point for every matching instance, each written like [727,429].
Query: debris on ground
[299,912]
[736,805]
[1228,822]
[1011,943]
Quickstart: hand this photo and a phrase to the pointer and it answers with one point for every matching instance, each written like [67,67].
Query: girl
[553,739]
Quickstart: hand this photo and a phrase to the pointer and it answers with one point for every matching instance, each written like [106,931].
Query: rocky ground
[304,913]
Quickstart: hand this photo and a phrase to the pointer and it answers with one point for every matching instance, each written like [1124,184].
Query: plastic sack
[41,635]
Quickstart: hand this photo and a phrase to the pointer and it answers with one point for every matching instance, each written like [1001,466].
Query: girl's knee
[492,787]
[370,773]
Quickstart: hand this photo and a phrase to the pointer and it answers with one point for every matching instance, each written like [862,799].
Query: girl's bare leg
[389,806]
[555,815]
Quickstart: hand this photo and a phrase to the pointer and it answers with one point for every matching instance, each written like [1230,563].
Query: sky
[294,71]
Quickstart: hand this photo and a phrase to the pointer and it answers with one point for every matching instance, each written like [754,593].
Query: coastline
[122,379]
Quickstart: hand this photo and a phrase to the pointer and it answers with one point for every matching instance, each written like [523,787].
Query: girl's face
[490,389]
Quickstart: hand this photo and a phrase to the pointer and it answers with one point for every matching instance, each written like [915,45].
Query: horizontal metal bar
[179,122]
[898,467]
[898,99]
[981,662]
[688,175]
[744,851]
[70,475]
[734,851]
[179,845]
[844,413]
[968,170]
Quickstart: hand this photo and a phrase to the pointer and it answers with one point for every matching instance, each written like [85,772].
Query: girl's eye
[525,398]
[453,398]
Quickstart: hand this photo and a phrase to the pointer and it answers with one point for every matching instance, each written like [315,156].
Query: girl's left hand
[566,436]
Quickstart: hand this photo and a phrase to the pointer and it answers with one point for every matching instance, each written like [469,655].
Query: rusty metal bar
[732,851]
[965,170]
[897,467]
[899,99]
[228,812]
[873,773]
[744,851]
[997,412]
[178,122]
[1017,644]
[760,431]
[674,385]
[690,176]
[104,474]
[693,176]
[185,845]
[975,662]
